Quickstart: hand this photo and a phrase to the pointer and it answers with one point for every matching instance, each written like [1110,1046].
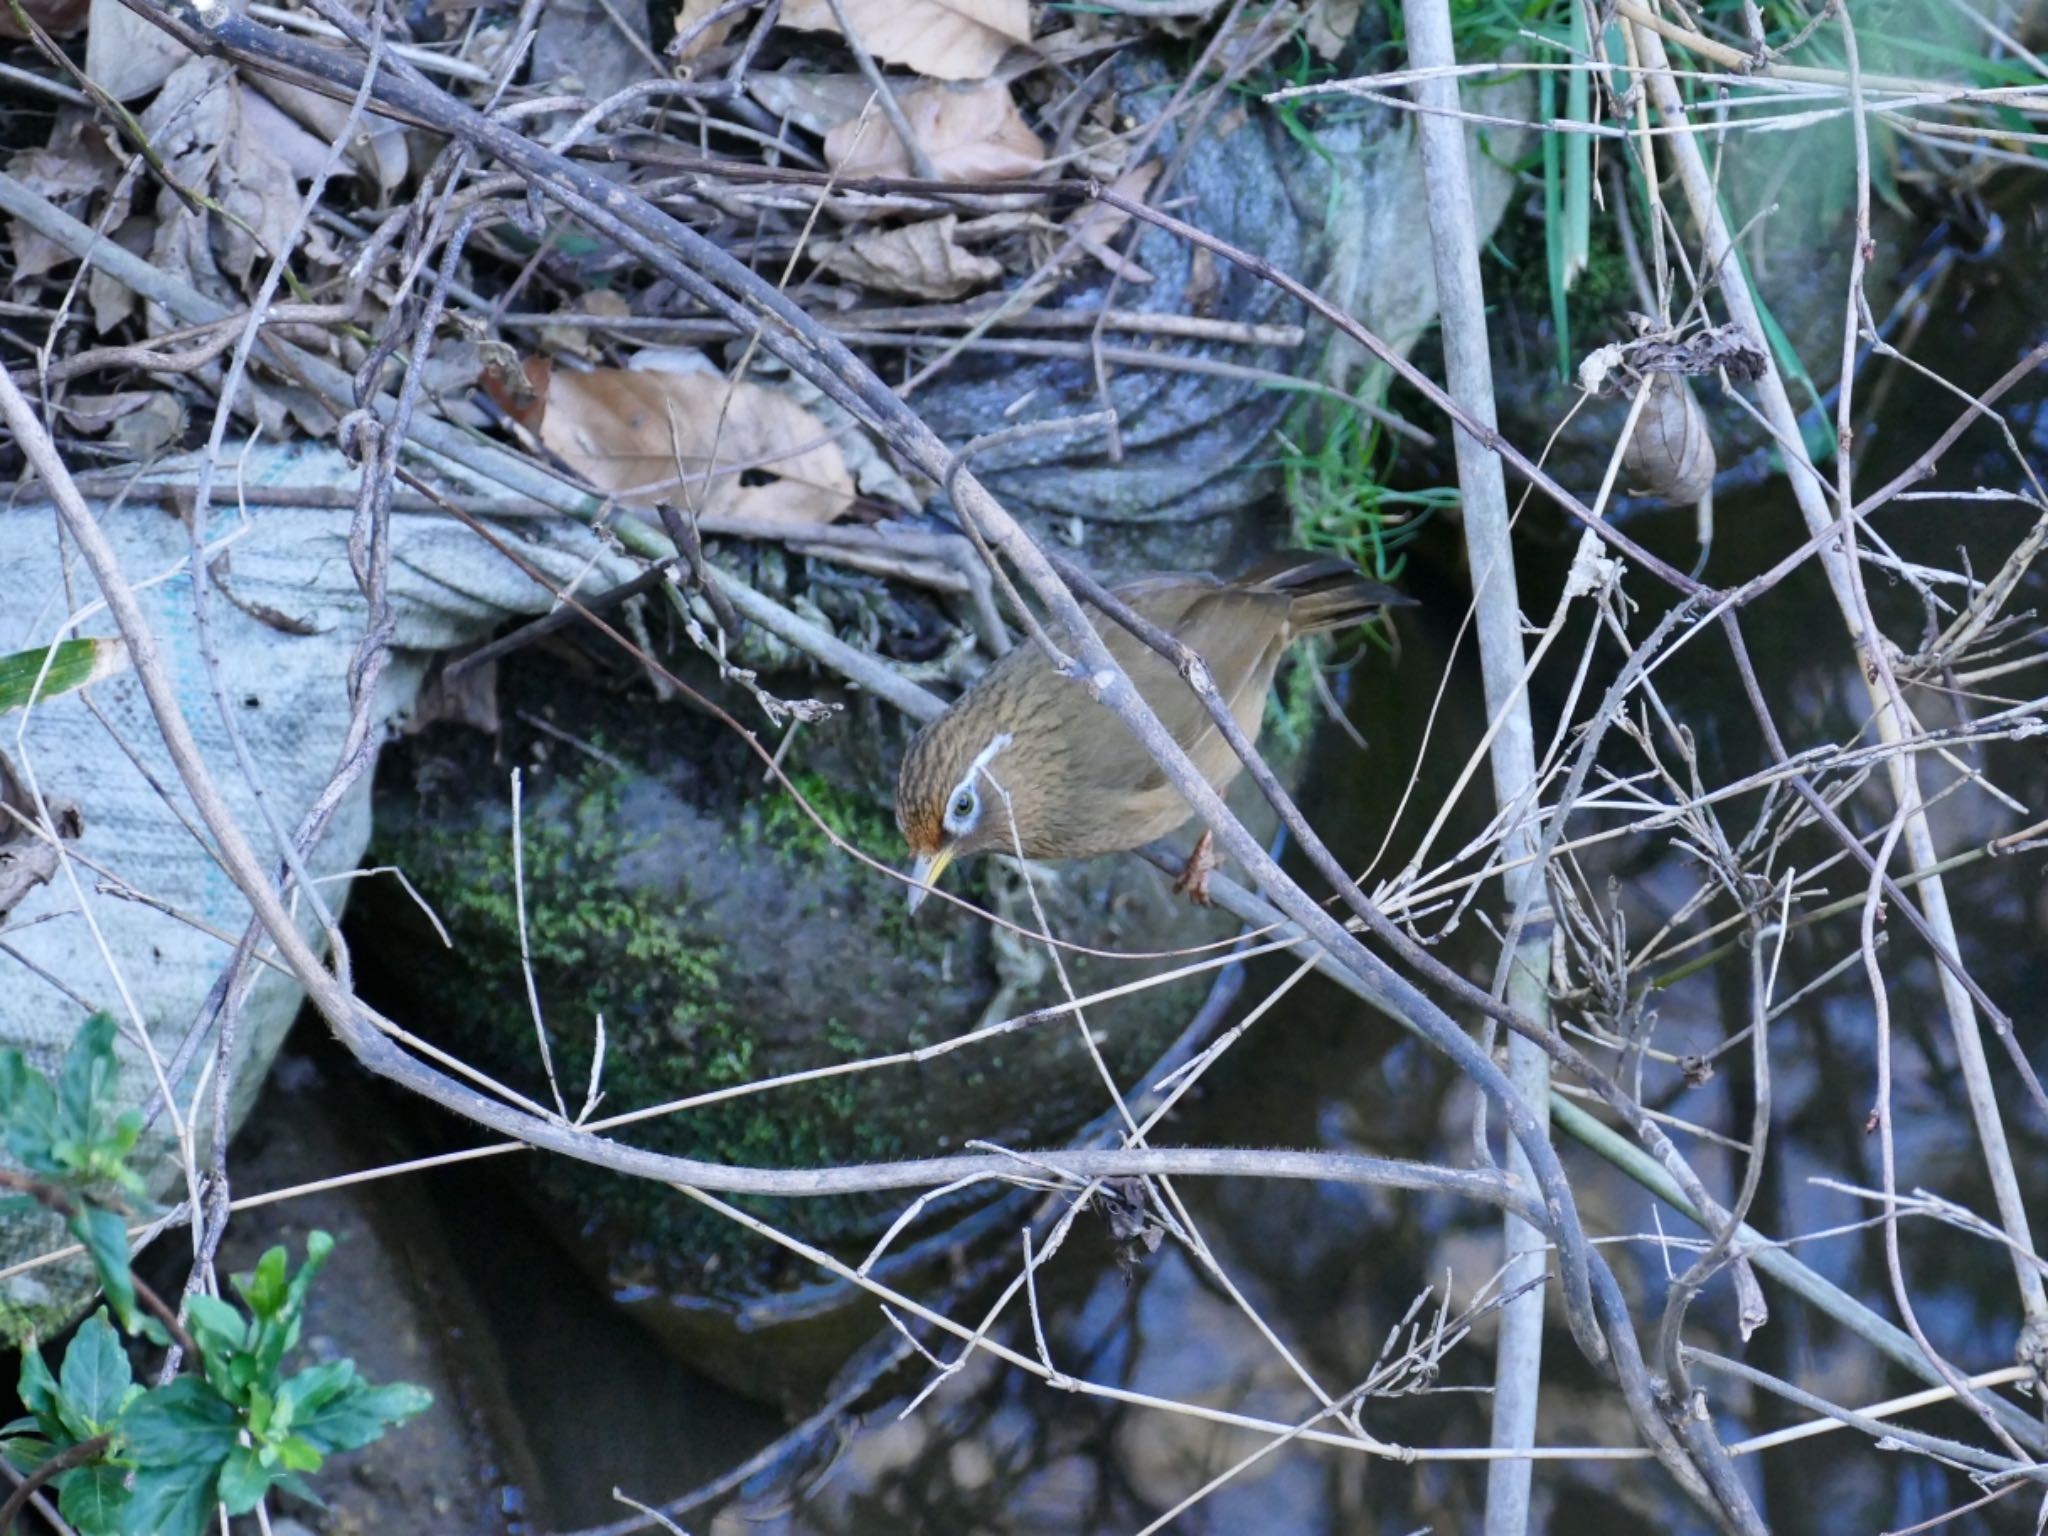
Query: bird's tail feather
[1327,593]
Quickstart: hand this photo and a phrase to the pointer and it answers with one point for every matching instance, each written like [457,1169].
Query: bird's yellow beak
[926,869]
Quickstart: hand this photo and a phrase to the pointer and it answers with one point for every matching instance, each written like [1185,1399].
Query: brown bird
[1078,784]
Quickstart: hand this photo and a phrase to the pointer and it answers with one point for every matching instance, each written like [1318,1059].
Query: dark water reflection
[1333,1269]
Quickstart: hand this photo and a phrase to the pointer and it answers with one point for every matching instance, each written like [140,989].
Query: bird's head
[947,802]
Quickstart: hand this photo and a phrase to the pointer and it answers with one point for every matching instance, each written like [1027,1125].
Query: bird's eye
[963,804]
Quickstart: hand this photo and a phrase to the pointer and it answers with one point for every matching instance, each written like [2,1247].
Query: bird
[1027,761]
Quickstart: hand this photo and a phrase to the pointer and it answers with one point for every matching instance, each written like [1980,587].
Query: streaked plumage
[1077,780]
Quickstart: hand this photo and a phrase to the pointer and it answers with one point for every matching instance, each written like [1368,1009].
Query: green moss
[1291,708]
[783,824]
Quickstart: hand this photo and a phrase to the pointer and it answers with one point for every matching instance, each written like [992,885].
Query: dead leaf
[570,339]
[127,55]
[626,429]
[149,432]
[112,300]
[593,47]
[923,260]
[1329,25]
[378,148]
[689,41]
[1670,454]
[815,103]
[971,133]
[1096,223]
[72,171]
[199,124]
[945,39]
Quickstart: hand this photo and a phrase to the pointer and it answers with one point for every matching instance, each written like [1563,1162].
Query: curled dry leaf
[971,133]
[923,260]
[626,430]
[1670,453]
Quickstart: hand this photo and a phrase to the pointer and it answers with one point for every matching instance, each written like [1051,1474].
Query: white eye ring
[964,810]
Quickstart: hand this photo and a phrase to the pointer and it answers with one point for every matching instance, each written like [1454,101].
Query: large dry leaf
[971,133]
[311,122]
[627,429]
[127,55]
[922,260]
[200,124]
[946,39]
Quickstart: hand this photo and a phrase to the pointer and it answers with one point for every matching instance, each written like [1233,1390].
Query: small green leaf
[85,1082]
[358,1414]
[174,1500]
[298,1456]
[183,1422]
[97,1382]
[260,1405]
[70,664]
[28,1108]
[243,1480]
[263,1288]
[105,1235]
[38,1389]
[94,1499]
[215,1325]
[27,1452]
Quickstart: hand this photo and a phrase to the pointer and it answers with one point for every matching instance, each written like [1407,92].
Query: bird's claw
[1194,876]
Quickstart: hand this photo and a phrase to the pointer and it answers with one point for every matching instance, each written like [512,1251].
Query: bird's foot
[1194,875]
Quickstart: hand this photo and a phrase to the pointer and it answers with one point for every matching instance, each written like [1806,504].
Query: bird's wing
[1238,633]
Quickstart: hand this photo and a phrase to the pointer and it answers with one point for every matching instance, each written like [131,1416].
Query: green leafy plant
[75,1150]
[129,1461]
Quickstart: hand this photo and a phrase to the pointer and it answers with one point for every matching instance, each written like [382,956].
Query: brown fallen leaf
[923,260]
[945,39]
[626,430]
[971,133]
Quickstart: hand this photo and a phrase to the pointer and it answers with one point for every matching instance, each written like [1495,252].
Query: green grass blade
[60,668]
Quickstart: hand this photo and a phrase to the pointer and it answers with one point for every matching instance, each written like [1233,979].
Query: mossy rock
[724,940]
